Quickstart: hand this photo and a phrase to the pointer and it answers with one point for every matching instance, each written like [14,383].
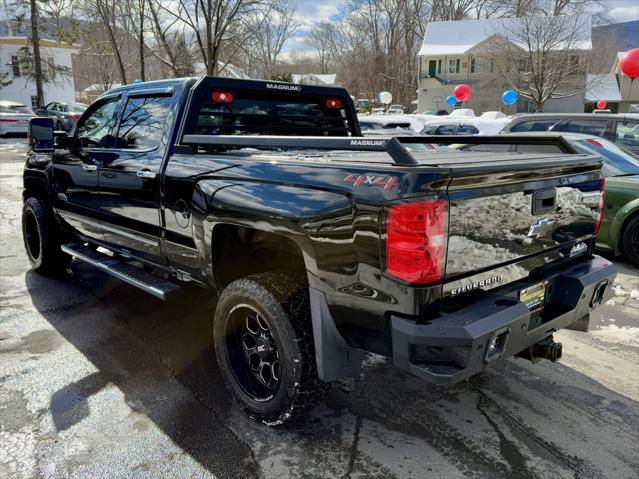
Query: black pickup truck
[320,244]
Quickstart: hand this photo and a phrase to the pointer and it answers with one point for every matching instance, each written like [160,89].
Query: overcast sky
[311,11]
[314,10]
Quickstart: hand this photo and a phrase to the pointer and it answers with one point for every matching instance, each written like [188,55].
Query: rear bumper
[455,345]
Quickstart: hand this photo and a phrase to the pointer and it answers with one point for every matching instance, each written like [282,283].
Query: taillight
[74,116]
[333,103]
[222,97]
[602,198]
[8,121]
[416,241]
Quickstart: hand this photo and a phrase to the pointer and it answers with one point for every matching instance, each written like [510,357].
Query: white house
[20,88]
[455,52]
[318,79]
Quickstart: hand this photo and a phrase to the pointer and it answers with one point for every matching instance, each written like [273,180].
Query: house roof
[24,41]
[321,78]
[602,87]
[458,37]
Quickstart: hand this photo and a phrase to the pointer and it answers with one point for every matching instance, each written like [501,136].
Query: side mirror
[41,134]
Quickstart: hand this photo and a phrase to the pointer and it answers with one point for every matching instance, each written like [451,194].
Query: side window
[533,125]
[627,134]
[142,123]
[445,130]
[53,107]
[467,130]
[94,130]
[585,126]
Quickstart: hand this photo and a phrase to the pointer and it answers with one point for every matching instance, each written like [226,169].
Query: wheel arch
[621,220]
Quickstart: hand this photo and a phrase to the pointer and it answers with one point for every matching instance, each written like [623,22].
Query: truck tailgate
[509,218]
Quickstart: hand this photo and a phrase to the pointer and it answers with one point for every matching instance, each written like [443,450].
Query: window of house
[439,66]
[142,123]
[34,101]
[15,66]
[492,65]
[478,65]
[574,62]
[453,66]
[48,68]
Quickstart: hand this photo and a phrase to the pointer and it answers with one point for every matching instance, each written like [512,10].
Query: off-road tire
[630,241]
[42,238]
[284,305]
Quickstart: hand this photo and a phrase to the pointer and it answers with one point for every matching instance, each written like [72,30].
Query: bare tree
[269,27]
[543,57]
[212,23]
[321,39]
[107,12]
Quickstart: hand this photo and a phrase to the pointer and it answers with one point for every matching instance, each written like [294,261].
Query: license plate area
[534,297]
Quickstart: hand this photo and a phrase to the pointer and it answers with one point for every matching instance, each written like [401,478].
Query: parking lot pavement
[98,379]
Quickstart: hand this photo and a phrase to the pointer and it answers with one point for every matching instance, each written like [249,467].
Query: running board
[158,287]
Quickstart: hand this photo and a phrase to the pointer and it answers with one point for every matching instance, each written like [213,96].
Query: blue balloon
[136,81]
[451,100]
[509,97]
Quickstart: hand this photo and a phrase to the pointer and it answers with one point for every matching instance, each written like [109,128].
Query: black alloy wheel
[253,353]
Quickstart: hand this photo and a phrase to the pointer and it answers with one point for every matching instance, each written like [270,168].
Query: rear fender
[289,211]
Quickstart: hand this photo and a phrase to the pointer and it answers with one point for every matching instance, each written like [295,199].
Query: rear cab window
[269,108]
[143,121]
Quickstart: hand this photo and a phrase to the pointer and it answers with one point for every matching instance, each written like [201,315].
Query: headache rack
[393,146]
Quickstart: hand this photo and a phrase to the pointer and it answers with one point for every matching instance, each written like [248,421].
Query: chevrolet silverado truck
[320,245]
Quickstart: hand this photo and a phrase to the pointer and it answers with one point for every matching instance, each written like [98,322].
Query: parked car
[440,112]
[383,124]
[451,125]
[619,232]
[64,115]
[318,243]
[396,109]
[14,118]
[622,129]
[370,122]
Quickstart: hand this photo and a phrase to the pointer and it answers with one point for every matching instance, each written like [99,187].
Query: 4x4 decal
[386,182]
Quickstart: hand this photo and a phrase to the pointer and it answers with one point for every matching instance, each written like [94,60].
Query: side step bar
[158,287]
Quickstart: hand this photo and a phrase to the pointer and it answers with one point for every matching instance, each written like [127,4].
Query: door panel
[130,177]
[432,68]
[76,170]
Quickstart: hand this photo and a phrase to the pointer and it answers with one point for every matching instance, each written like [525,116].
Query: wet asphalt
[98,379]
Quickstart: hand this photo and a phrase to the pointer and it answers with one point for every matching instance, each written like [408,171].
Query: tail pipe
[547,348]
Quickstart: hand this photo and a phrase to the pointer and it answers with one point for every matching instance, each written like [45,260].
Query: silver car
[14,118]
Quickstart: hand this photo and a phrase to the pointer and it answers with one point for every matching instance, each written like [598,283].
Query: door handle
[145,174]
[86,167]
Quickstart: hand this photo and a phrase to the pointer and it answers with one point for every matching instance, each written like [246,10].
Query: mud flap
[334,357]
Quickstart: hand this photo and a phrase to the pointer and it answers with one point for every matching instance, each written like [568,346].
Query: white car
[14,118]
[396,110]
[464,126]
[415,123]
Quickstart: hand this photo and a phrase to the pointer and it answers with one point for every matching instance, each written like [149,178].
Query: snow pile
[625,334]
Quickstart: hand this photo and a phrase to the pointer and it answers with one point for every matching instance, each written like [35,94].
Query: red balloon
[601,104]
[629,63]
[463,92]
